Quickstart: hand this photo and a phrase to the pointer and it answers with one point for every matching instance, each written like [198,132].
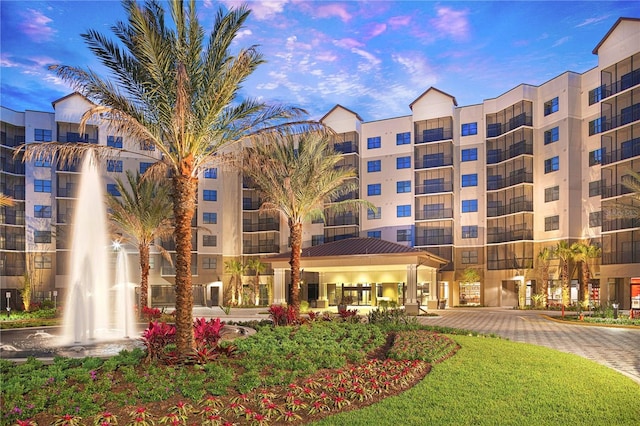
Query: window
[552,164]
[114,166]
[316,240]
[147,146]
[469,206]
[374,189]
[373,143]
[208,217]
[42,135]
[403,138]
[113,189]
[403,235]
[144,166]
[114,141]
[470,180]
[551,135]
[375,213]
[551,194]
[552,223]
[374,166]
[470,231]
[403,210]
[595,219]
[211,173]
[42,162]
[210,195]
[209,263]
[42,237]
[40,185]
[594,188]
[374,234]
[209,240]
[470,154]
[42,262]
[403,186]
[595,157]
[469,129]
[469,257]
[551,106]
[595,126]
[403,163]
[42,211]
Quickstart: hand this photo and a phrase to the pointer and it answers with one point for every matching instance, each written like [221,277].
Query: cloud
[372,60]
[453,23]
[6,61]
[375,30]
[243,33]
[591,21]
[326,56]
[35,26]
[418,68]
[331,10]
[561,41]
[399,21]
[347,43]
[260,10]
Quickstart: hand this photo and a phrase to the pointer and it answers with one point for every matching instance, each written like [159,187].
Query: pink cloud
[330,10]
[451,22]
[399,21]
[376,29]
[348,43]
[35,26]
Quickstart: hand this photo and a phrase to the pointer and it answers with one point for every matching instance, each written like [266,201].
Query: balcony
[497,129]
[434,188]
[435,135]
[621,257]
[434,214]
[520,206]
[69,191]
[251,204]
[267,247]
[620,224]
[433,160]
[495,182]
[346,147]
[627,115]
[439,240]
[628,149]
[502,264]
[506,236]
[342,220]
[11,141]
[13,167]
[17,192]
[260,227]
[495,156]
[627,81]
[614,190]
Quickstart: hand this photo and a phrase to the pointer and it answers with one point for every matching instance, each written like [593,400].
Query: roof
[70,95]
[340,106]
[455,103]
[606,36]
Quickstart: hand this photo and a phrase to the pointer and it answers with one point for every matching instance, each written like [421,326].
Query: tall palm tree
[169,85]
[297,175]
[236,269]
[544,257]
[141,214]
[563,252]
[585,253]
[5,200]
[258,267]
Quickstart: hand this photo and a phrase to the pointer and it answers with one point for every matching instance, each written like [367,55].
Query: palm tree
[141,214]
[5,200]
[297,175]
[544,257]
[170,86]
[563,252]
[236,269]
[258,267]
[584,252]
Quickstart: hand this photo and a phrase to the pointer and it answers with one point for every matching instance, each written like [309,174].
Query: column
[323,302]
[411,305]
[279,296]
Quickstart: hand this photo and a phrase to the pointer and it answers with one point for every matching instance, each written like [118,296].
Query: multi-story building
[484,186]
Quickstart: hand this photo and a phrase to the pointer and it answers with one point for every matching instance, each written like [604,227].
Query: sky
[373,57]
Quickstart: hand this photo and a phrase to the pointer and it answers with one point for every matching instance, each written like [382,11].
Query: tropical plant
[470,275]
[236,269]
[5,200]
[563,252]
[141,214]
[169,86]
[300,176]
[544,258]
[585,253]
[258,267]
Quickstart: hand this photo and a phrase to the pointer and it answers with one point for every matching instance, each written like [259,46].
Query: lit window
[210,195]
[374,189]
[470,154]
[469,129]
[403,163]
[469,206]
[403,210]
[470,231]
[551,106]
[552,164]
[470,180]
[373,143]
[374,166]
[551,135]
[403,138]
[403,186]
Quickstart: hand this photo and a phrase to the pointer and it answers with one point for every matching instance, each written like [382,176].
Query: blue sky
[373,57]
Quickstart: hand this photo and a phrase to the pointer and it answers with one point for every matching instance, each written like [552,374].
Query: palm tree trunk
[584,285]
[143,249]
[296,250]
[256,290]
[184,195]
[545,286]
[566,297]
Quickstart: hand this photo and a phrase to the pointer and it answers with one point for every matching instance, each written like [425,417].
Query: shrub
[157,337]
[284,315]
[151,313]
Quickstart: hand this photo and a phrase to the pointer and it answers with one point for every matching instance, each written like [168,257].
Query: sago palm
[141,215]
[585,253]
[169,85]
[300,176]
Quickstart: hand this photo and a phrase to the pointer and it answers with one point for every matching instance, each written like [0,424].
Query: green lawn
[498,382]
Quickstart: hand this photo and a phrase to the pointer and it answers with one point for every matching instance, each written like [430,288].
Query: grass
[497,382]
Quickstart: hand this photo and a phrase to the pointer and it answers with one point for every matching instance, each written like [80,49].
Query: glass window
[373,143]
[209,240]
[403,163]
[209,262]
[40,185]
[209,217]
[114,141]
[595,126]
[144,166]
[403,235]
[595,219]
[594,188]
[595,157]
[552,164]
[374,234]
[403,138]
[469,129]
[470,154]
[113,189]
[374,166]
[42,211]
[210,195]
[42,162]
[114,166]
[551,106]
[551,135]
[42,237]
[403,186]
[374,189]
[469,257]
[375,213]
[469,206]
[403,210]
[470,231]
[470,180]
[147,146]
[211,173]
[316,240]
[551,194]
[42,135]
[551,223]
[42,262]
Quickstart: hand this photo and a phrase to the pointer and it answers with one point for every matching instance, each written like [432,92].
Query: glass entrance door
[360,296]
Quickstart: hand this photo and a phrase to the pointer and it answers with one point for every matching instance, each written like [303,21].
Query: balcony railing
[629,149]
[620,257]
[16,168]
[67,191]
[434,188]
[435,161]
[497,129]
[434,214]
[517,177]
[620,224]
[508,263]
[440,240]
[260,248]
[516,235]
[521,206]
[249,204]
[614,190]
[346,147]
[627,81]
[17,193]
[434,135]
[12,141]
[626,117]
[259,227]
[495,156]
[342,221]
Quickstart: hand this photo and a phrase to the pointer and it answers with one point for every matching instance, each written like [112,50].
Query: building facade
[484,187]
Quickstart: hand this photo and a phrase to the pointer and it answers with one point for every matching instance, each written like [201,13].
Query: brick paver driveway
[617,348]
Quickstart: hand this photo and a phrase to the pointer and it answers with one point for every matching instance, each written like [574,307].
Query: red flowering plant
[151,314]
[284,315]
[156,338]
